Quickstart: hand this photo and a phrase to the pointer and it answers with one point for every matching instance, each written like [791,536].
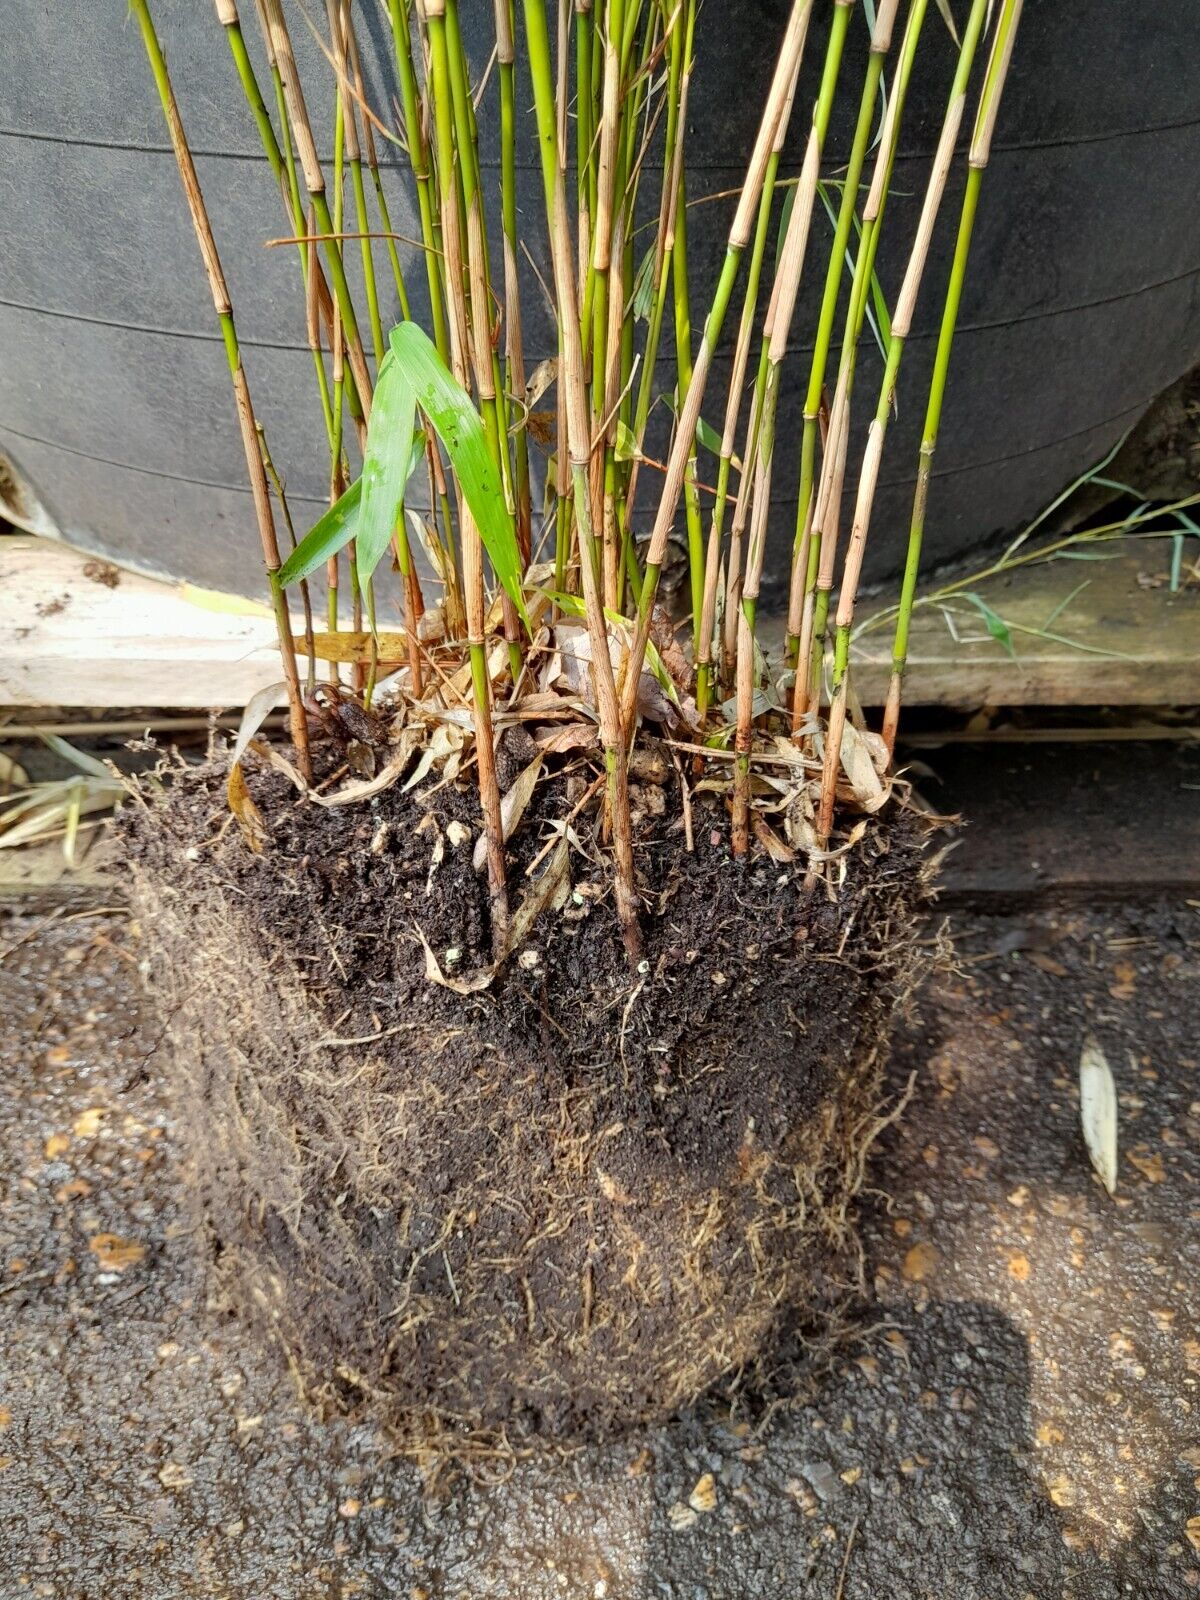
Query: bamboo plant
[442,437]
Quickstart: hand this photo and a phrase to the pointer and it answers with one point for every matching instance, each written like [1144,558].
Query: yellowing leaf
[354,648]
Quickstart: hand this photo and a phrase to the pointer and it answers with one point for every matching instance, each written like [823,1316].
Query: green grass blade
[460,428]
[332,533]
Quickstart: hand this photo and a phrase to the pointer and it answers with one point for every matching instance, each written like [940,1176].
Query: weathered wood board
[68,638]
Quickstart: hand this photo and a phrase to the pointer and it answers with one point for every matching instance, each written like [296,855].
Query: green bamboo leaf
[332,533]
[387,463]
[460,428]
[627,445]
[996,624]
[708,436]
[643,287]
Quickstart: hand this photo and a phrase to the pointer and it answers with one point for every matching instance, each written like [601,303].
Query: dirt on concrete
[1014,1411]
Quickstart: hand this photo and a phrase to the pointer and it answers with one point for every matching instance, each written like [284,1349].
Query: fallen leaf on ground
[1148,1163]
[88,1123]
[1193,1532]
[1098,1112]
[919,1262]
[704,1496]
[512,809]
[249,818]
[173,1476]
[433,971]
[1047,964]
[1126,976]
[56,1144]
[1018,1266]
[114,1254]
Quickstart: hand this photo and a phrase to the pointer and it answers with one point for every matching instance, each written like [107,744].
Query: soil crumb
[555,1206]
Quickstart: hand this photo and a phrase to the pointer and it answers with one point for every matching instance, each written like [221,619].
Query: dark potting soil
[567,1202]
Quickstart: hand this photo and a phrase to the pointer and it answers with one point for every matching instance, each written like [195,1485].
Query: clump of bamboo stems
[608,82]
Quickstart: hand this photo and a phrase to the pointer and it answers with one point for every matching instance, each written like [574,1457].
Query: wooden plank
[1120,641]
[67,639]
[75,631]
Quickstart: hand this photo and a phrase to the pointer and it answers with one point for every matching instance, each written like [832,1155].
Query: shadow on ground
[1013,1412]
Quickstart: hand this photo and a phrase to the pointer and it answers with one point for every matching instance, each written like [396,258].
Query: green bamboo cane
[820,123]
[980,153]
[869,474]
[463,154]
[347,121]
[279,42]
[740,236]
[241,388]
[514,374]
[282,166]
[807,607]
[584,128]
[829,299]
[776,332]
[472,544]
[428,208]
[381,205]
[571,383]
[673,18]
[418,156]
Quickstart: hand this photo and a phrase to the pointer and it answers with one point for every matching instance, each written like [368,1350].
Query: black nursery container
[1081,303]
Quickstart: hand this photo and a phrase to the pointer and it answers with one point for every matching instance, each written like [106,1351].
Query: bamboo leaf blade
[387,465]
[328,535]
[460,428]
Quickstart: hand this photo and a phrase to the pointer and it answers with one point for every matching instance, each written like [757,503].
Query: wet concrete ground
[1015,1411]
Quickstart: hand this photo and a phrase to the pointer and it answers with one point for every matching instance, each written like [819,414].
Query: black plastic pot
[1081,303]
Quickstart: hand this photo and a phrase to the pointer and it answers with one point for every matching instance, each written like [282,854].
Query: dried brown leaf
[475,984]
[247,815]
